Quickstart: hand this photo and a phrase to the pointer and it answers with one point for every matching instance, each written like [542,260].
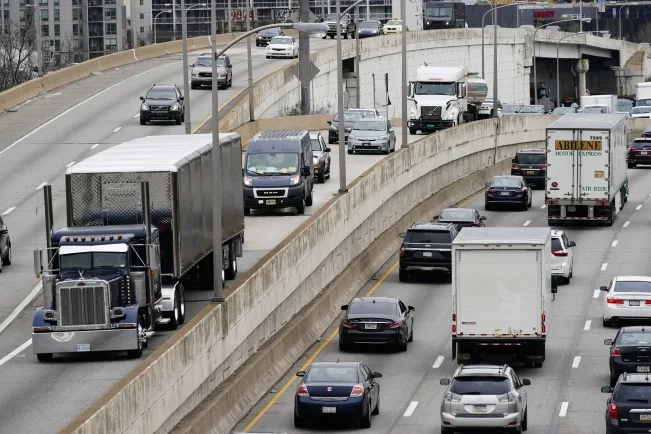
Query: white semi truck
[443,97]
[586,168]
[502,289]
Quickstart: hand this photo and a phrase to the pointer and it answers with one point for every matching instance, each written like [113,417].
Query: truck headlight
[248,181]
[412,115]
[295,179]
[175,108]
[144,108]
[450,116]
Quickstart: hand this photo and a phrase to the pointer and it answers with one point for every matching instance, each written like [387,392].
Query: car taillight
[347,325]
[635,149]
[515,167]
[559,253]
[647,302]
[543,168]
[402,251]
[395,325]
[616,352]
[612,411]
[357,391]
[302,390]
[613,300]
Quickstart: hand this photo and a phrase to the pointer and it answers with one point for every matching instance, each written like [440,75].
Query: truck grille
[82,306]
[430,113]
[332,27]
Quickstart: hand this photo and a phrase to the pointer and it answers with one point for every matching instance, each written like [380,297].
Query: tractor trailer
[139,231]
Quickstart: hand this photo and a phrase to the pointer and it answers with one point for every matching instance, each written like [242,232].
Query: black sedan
[369,28]
[376,320]
[508,190]
[630,351]
[461,217]
[350,119]
[337,391]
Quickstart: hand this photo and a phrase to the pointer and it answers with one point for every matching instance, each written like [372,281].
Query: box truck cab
[278,171]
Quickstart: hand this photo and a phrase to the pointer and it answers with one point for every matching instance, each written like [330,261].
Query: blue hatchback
[337,391]
[508,190]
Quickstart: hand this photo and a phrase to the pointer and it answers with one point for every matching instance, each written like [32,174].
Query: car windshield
[434,12]
[457,214]
[563,110]
[370,308]
[280,40]
[506,182]
[332,374]
[368,25]
[161,94]
[532,109]
[316,145]
[442,237]
[89,260]
[510,108]
[272,163]
[627,286]
[394,23]
[364,125]
[531,158]
[643,102]
[207,61]
[641,110]
[364,113]
[477,385]
[427,88]
[269,32]
[631,392]
[556,244]
[331,17]
[349,117]
[635,338]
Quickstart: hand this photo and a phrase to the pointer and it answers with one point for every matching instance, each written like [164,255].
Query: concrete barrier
[180,374]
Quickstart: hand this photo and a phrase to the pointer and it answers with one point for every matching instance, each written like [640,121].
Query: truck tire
[309,200]
[413,131]
[174,316]
[45,357]
[300,208]
[137,353]
[231,272]
[403,275]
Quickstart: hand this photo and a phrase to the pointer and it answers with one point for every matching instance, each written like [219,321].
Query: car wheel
[377,405]
[386,152]
[183,117]
[488,207]
[402,346]
[178,120]
[143,121]
[525,420]
[411,335]
[413,131]
[322,177]
[309,200]
[606,323]
[403,275]
[365,421]
[343,347]
[351,152]
[571,270]
[230,82]
[247,211]
[7,259]
[300,208]
[325,37]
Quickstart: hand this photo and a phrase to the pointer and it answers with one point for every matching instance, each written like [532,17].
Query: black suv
[5,245]
[531,164]
[628,408]
[427,246]
[162,102]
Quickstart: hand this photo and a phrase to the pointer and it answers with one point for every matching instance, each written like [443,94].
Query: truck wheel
[309,200]
[247,211]
[136,354]
[231,272]
[403,275]
[300,208]
[44,358]
[174,316]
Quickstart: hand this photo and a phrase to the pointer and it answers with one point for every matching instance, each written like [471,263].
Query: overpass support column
[582,68]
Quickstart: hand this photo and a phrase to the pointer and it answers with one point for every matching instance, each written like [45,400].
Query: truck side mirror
[402,234]
[38,262]
[306,171]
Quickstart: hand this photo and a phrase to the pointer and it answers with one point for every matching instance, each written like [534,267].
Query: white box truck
[502,290]
[643,94]
[605,103]
[586,168]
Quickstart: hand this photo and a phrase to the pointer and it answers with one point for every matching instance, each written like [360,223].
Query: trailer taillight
[542,317]
[454,317]
[454,328]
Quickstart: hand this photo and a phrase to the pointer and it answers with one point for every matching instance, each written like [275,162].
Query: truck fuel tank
[476,90]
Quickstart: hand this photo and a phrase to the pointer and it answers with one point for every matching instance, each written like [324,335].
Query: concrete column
[582,68]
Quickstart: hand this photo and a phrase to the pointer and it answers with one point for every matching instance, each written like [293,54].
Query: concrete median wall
[221,339]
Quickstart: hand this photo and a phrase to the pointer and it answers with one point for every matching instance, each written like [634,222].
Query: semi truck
[443,97]
[500,309]
[606,103]
[138,233]
[586,168]
[444,15]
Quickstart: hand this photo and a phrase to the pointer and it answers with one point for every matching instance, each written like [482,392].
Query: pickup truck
[348,26]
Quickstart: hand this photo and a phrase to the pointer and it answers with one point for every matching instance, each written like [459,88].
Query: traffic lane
[404,374]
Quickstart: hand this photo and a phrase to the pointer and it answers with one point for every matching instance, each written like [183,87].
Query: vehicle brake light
[454,317]
[347,325]
[612,411]
[635,149]
[402,251]
[302,390]
[613,300]
[358,390]
[515,167]
[617,352]
[492,191]
[395,325]
[647,302]
[454,328]
[559,252]
[543,168]
[542,317]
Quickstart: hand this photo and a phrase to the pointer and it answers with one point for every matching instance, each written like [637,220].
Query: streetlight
[154,22]
[619,17]
[39,42]
[558,74]
[535,77]
[216,155]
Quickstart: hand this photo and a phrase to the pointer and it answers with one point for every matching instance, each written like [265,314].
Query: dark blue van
[278,171]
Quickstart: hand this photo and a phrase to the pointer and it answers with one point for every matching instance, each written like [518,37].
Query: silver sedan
[372,135]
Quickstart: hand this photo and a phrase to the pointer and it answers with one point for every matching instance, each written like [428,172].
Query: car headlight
[175,107]
[351,137]
[248,181]
[221,74]
[195,74]
[295,179]
[144,107]
[259,38]
[384,138]
[447,24]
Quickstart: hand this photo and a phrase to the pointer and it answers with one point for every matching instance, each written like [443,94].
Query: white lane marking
[94,146]
[527,223]
[577,360]
[596,293]
[8,211]
[15,352]
[117,129]
[137,115]
[604,266]
[56,118]
[41,185]
[439,362]
[587,325]
[411,408]
[23,304]
[626,224]
[543,207]
[563,411]
[639,207]
[614,244]
[70,164]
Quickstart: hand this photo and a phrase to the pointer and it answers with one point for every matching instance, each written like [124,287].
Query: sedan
[282,46]
[369,28]
[372,134]
[376,320]
[630,352]
[335,391]
[462,217]
[508,190]
[627,297]
[5,245]
[321,157]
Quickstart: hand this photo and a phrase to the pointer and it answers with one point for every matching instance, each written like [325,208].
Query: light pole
[218,288]
[619,17]
[250,62]
[154,22]
[535,77]
[357,94]
[558,73]
[495,111]
[39,42]
[405,83]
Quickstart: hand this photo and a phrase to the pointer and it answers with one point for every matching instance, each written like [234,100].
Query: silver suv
[484,396]
[202,72]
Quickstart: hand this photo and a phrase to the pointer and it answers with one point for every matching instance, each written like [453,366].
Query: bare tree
[17,53]
[644,34]
[145,38]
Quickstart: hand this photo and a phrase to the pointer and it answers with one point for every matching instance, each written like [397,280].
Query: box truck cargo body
[502,293]
[586,168]
[608,103]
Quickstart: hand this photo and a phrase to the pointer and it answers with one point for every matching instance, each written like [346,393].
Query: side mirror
[327,149]
[402,234]
[377,375]
[606,389]
[444,381]
[526,382]
[38,262]
[572,244]
[192,65]
[142,98]
[603,288]
[3,231]
[483,218]
[608,342]
[554,284]
[181,98]
[344,307]
[329,122]
[412,308]
[300,374]
[306,171]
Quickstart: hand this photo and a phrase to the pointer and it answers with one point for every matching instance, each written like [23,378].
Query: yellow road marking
[331,336]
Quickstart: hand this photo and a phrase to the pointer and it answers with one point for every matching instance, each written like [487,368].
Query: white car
[282,46]
[562,256]
[627,297]
[392,26]
[641,112]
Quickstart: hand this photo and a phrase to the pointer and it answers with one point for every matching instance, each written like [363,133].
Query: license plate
[504,193]
[530,172]
[329,410]
[371,326]
[270,202]
[82,348]
[479,408]
[645,417]
[430,125]
[571,209]
[643,369]
[367,144]
[634,302]
[427,254]
[644,153]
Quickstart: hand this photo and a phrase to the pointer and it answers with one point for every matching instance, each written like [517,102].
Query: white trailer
[607,103]
[502,292]
[586,168]
[643,93]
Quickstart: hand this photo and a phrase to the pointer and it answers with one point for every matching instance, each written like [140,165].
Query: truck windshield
[89,260]
[272,163]
[425,88]
[436,12]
